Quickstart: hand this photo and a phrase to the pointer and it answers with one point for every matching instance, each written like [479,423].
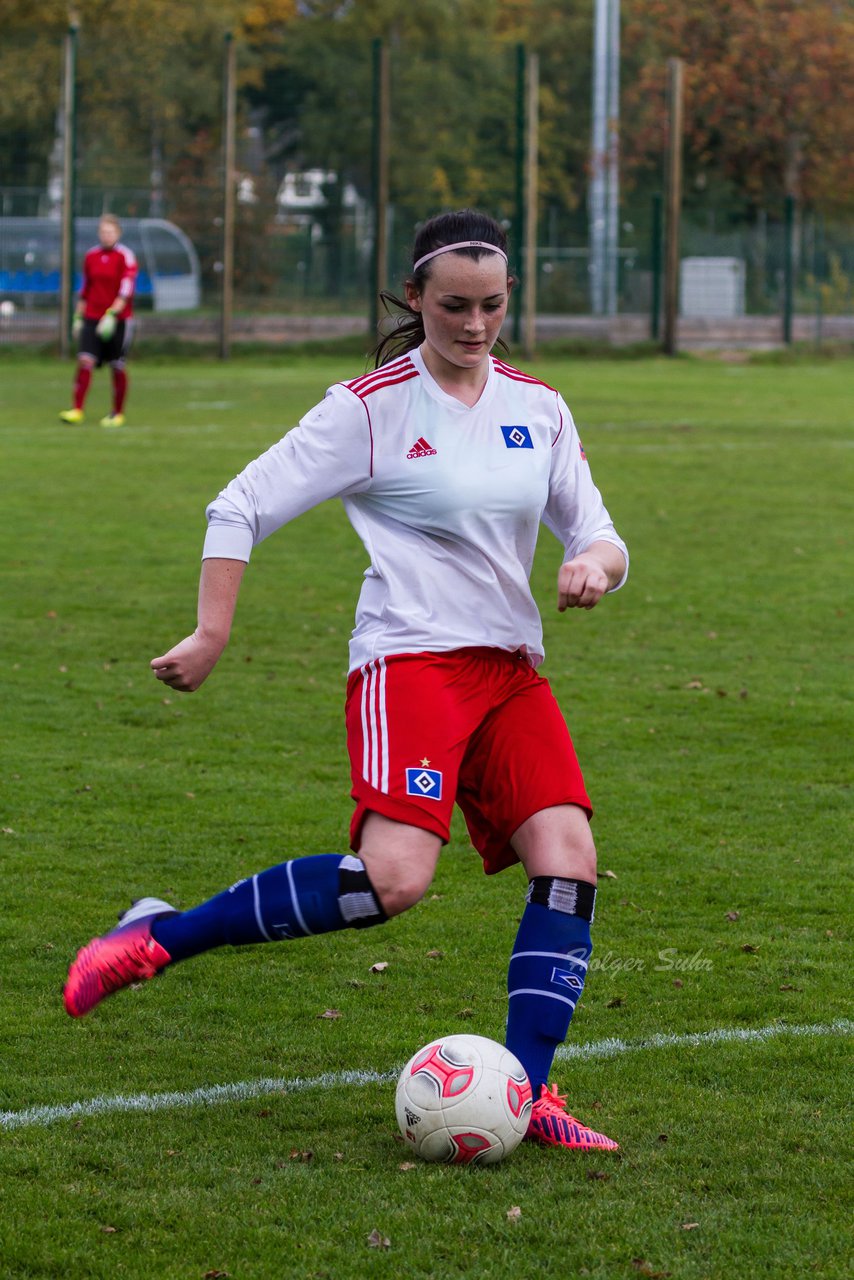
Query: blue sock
[292,900]
[547,971]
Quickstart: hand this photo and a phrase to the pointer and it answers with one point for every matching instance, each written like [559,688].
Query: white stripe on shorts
[374,725]
[383,731]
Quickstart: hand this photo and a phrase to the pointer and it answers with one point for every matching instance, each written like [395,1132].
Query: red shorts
[478,726]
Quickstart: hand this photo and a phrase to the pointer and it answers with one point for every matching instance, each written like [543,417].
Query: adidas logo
[421,449]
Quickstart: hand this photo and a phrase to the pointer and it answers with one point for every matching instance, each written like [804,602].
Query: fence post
[674,205]
[655,257]
[379,275]
[69,100]
[519,227]
[788,268]
[531,156]
[229,105]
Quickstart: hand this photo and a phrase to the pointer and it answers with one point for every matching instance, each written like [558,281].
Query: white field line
[213,1095]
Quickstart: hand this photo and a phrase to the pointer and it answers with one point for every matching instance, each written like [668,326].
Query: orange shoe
[128,954]
[552,1125]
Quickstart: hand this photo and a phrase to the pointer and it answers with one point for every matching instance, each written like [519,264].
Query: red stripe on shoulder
[517,375]
[387,382]
[399,370]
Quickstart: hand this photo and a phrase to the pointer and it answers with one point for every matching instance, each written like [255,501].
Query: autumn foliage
[769,93]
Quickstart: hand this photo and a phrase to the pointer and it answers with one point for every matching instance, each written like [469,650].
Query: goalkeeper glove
[106,326]
[76,327]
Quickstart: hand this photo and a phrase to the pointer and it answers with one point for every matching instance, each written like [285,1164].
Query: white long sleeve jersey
[447,500]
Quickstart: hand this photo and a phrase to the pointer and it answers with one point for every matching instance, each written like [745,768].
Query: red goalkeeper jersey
[107,275]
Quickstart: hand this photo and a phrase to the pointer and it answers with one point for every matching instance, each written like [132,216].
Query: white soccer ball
[463,1100]
[7,308]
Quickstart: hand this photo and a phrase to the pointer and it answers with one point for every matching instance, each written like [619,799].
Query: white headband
[463,244]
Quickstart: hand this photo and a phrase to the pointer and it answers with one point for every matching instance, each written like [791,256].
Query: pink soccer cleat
[552,1125]
[127,954]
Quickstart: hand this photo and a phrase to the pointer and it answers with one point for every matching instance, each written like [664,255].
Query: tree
[148,76]
[769,94]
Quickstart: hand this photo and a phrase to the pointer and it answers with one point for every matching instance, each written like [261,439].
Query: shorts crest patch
[424,782]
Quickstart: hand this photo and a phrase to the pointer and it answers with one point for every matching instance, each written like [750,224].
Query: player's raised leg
[296,899]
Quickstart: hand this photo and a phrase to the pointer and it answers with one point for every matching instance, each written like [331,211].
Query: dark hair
[407,331]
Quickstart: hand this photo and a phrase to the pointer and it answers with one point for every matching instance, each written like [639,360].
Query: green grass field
[711,708]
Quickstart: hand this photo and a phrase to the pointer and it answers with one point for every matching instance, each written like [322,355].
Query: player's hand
[76,327]
[106,326]
[581,583]
[189,663]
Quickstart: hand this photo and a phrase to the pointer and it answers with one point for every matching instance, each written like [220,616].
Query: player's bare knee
[557,842]
[400,861]
[398,895]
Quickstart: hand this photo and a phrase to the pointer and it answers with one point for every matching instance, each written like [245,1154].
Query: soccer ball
[463,1100]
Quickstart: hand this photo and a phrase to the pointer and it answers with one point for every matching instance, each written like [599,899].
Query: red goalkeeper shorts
[475,726]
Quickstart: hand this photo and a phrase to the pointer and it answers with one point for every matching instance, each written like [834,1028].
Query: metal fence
[297,267]
[301,254]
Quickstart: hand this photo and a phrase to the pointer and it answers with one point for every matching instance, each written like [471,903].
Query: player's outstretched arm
[582,581]
[189,663]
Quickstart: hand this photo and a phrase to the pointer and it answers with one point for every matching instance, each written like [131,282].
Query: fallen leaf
[645,1268]
[733,915]
[690,1226]
[662,1137]
[379,967]
[339,1155]
[749,948]
[596,1175]
[466,1013]
[605,875]
[407,1164]
[304,1157]
[378,1241]
[216,1275]
[435,955]
[514,1214]
[694,684]
[677,982]
[262,1115]
[7,831]
[109,1231]
[331,1014]
[615,1003]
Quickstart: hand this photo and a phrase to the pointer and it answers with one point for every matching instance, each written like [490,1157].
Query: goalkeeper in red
[447,459]
[103,320]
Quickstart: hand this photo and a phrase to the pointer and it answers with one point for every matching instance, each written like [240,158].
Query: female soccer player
[446,459]
[102,320]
